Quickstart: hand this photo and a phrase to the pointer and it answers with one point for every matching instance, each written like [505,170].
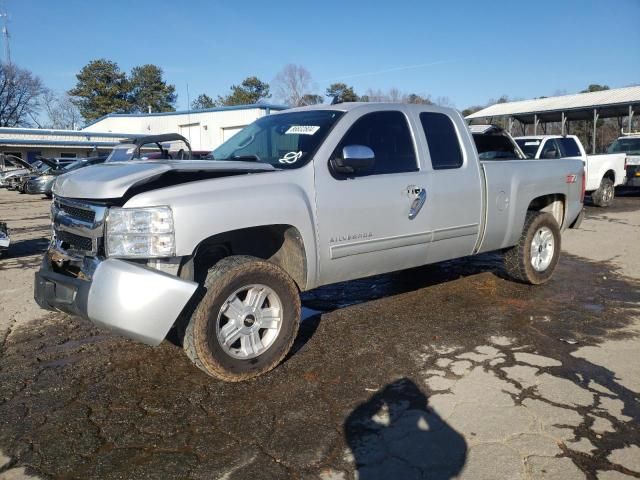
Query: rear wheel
[534,259]
[604,195]
[246,321]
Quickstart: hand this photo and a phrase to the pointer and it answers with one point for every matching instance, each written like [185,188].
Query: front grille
[71,241]
[80,213]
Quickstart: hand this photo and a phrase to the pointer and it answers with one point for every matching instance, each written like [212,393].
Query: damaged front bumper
[131,299]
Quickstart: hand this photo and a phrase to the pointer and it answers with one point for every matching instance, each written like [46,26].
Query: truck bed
[510,187]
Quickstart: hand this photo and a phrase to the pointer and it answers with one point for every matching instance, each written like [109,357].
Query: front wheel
[246,321]
[534,258]
[604,195]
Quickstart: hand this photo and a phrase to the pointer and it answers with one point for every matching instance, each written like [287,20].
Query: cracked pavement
[447,371]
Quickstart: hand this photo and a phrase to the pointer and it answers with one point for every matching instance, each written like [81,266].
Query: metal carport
[617,102]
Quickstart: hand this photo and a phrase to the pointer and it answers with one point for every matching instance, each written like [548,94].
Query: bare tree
[20,93]
[444,102]
[396,96]
[61,111]
[294,85]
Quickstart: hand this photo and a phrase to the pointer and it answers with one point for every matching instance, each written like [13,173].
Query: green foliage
[102,88]
[203,101]
[414,98]
[341,92]
[310,99]
[595,87]
[148,89]
[250,91]
[472,109]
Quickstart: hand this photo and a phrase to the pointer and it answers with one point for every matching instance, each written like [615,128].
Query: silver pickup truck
[221,248]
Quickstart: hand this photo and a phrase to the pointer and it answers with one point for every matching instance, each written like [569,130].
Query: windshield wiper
[246,158]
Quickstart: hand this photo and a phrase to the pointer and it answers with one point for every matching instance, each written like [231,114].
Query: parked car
[17,182]
[18,167]
[152,147]
[629,145]
[311,196]
[42,183]
[8,163]
[604,172]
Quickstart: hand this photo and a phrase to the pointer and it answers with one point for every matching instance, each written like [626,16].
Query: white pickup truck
[604,172]
[221,248]
[629,145]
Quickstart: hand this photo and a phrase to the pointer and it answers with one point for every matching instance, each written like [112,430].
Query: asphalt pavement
[447,371]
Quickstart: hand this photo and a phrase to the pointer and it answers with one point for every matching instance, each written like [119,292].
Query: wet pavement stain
[76,402]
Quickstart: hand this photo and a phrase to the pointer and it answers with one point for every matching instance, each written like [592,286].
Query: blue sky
[469,51]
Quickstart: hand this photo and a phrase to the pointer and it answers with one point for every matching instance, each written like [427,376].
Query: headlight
[140,232]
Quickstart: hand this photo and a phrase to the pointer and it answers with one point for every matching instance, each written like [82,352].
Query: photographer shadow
[396,435]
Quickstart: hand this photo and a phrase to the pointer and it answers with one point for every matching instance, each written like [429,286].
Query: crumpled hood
[112,180]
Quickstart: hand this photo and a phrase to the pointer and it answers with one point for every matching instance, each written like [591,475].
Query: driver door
[365,226]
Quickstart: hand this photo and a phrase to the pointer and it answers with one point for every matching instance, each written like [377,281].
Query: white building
[205,129]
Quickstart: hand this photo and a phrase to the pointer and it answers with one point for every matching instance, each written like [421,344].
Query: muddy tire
[246,321]
[604,195]
[534,258]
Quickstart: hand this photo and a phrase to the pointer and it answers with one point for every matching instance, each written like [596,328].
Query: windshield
[528,146]
[625,145]
[284,140]
[121,153]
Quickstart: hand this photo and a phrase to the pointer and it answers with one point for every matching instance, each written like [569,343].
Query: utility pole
[5,34]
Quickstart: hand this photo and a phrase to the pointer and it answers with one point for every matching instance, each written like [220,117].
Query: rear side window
[550,150]
[568,147]
[444,146]
[388,135]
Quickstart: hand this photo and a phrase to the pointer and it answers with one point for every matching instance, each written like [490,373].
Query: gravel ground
[447,371]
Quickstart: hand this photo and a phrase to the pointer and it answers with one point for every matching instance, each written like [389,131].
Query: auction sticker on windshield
[302,130]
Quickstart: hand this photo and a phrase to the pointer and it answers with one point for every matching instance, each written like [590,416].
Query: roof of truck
[542,137]
[347,106]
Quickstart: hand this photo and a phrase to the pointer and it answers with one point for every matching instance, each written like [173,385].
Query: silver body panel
[350,228]
[112,180]
[136,301]
[596,166]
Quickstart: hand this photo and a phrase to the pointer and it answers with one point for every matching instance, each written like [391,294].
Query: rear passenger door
[453,182]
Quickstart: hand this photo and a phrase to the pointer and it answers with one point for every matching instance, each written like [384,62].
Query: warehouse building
[205,129]
[30,143]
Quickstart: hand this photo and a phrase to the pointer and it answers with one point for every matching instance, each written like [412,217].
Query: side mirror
[355,159]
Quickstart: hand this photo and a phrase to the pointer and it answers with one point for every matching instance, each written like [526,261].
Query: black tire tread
[597,197]
[516,259]
[229,266]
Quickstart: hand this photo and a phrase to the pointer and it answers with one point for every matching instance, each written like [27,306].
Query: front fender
[205,208]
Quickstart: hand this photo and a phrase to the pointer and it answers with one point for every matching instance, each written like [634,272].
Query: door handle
[419,196]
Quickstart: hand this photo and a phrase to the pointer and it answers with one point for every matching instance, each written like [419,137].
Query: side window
[442,140]
[388,135]
[550,149]
[568,147]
